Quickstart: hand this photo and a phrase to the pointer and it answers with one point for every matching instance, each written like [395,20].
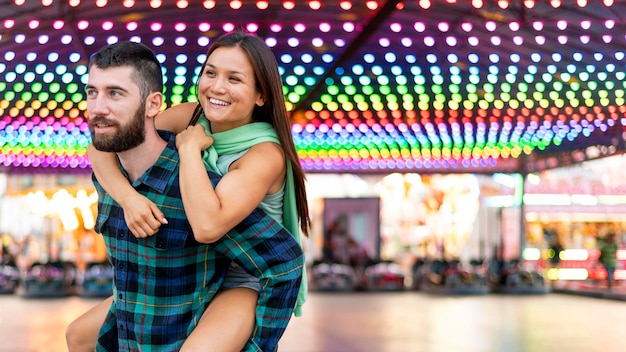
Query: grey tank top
[272,204]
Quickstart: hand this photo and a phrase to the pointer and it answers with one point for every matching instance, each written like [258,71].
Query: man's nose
[98,105]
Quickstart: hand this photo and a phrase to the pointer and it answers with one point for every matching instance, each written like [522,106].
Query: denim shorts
[237,277]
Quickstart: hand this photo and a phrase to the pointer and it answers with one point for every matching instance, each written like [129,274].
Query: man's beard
[127,137]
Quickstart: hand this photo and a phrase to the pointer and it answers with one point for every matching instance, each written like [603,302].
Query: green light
[77,98]
[385,90]
[54,87]
[178,90]
[505,97]
[407,97]
[301,90]
[505,87]
[457,97]
[558,86]
[603,94]
[575,86]
[489,97]
[403,90]
[375,98]
[342,98]
[586,94]
[293,98]
[422,89]
[546,77]
[392,98]
[326,98]
[3,86]
[9,95]
[27,96]
[43,96]
[367,90]
[602,76]
[454,88]
[522,87]
[521,96]
[333,89]
[472,97]
[610,85]
[424,98]
[437,89]
[59,97]
[471,88]
[488,87]
[359,98]
[18,87]
[565,77]
[537,96]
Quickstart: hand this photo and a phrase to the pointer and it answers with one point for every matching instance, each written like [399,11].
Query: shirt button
[120,296]
[121,266]
[121,234]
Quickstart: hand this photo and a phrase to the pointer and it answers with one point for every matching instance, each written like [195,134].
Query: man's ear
[154,102]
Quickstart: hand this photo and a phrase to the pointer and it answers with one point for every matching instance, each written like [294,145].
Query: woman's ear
[260,101]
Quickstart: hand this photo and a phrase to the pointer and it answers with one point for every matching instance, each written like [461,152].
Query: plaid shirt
[164,283]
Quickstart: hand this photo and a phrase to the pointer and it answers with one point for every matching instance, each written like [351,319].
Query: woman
[242,132]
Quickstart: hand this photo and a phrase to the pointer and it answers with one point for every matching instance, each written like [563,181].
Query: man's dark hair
[147,69]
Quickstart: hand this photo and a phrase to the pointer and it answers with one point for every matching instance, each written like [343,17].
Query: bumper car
[450,278]
[385,276]
[510,277]
[333,277]
[97,280]
[52,279]
[9,278]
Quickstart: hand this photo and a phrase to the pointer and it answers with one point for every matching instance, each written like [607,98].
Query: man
[163,283]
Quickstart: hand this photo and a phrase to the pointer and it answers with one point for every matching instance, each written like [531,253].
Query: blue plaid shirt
[164,283]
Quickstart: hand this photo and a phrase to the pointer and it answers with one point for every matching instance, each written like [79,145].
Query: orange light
[372,5]
[345,5]
[262,5]
[208,4]
[235,4]
[315,5]
[155,3]
[289,5]
[182,4]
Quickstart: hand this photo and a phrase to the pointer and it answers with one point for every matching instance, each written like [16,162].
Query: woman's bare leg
[227,323]
[82,334]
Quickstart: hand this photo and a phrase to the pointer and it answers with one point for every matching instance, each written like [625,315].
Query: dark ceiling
[372,86]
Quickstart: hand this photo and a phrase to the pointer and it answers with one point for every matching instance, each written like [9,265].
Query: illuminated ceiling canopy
[372,86]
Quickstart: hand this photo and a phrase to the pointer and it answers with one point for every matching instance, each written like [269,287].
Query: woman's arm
[142,216]
[212,212]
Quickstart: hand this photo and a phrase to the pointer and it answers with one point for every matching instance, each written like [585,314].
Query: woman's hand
[142,216]
[194,137]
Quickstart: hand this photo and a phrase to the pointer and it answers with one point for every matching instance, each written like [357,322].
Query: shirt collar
[158,175]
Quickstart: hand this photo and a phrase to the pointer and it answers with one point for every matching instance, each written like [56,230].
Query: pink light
[252,27]
[132,26]
[180,26]
[419,27]
[9,23]
[538,26]
[490,26]
[58,24]
[33,24]
[299,27]
[562,25]
[82,25]
[443,26]
[325,27]
[467,26]
[204,27]
[514,26]
[276,27]
[156,26]
[107,25]
[348,27]
[607,38]
[228,27]
[585,24]
[395,27]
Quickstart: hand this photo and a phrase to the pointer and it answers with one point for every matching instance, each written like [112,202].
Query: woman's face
[227,89]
